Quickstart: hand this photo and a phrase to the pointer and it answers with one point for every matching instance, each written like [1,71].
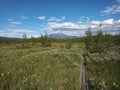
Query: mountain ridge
[54,36]
[60,36]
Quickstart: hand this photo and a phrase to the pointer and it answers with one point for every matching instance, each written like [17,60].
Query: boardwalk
[84,84]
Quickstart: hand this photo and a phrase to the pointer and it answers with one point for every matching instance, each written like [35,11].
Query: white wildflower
[114,83]
[20,70]
[20,88]
[2,74]
[8,73]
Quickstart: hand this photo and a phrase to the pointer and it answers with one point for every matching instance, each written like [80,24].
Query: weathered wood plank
[84,83]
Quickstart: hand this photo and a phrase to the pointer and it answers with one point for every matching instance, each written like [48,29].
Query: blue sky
[72,17]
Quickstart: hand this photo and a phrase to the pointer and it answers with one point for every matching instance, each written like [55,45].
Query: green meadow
[39,68]
[49,64]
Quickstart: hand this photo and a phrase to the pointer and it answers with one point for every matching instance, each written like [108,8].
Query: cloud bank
[17,33]
[110,26]
[114,9]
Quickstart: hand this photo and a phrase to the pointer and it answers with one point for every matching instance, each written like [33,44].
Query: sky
[71,17]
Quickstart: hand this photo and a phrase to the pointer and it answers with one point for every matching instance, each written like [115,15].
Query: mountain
[7,38]
[60,36]
[3,38]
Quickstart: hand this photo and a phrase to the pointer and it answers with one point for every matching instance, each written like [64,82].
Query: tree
[24,36]
[94,43]
[45,41]
[100,26]
[100,41]
[24,41]
[88,40]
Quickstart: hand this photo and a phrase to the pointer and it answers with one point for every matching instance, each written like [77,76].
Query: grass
[40,68]
[57,68]
[104,70]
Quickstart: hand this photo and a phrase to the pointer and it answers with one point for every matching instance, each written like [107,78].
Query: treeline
[100,42]
[42,41]
[93,43]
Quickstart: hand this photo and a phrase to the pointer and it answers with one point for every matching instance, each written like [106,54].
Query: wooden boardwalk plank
[84,83]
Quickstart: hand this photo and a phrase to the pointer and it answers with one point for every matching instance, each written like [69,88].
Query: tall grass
[40,69]
[104,70]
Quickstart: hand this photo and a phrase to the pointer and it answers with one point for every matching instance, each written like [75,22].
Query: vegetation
[51,64]
[45,41]
[39,68]
[100,43]
[103,70]
[103,53]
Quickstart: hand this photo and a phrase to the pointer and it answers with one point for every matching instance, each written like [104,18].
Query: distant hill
[3,38]
[60,36]
[54,36]
[7,38]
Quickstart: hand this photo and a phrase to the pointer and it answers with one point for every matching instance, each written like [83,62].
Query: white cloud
[2,35]
[57,19]
[114,9]
[63,17]
[66,26]
[1,31]
[12,25]
[118,1]
[94,26]
[118,21]
[108,25]
[96,22]
[22,31]
[79,22]
[9,19]
[53,19]
[84,17]
[16,23]
[18,33]
[24,17]
[69,28]
[42,17]
[108,21]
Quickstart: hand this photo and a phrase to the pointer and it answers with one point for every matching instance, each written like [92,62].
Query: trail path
[84,83]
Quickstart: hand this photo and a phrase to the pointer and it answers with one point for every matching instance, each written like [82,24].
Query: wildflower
[20,88]
[114,83]
[2,74]
[13,68]
[8,73]
[20,70]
